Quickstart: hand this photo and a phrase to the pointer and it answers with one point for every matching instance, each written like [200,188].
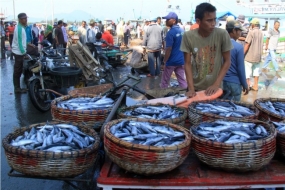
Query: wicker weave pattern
[266,115]
[239,156]
[50,164]
[179,121]
[94,90]
[142,159]
[196,116]
[80,115]
[280,141]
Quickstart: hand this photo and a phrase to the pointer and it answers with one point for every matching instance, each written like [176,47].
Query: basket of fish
[81,108]
[280,139]
[145,146]
[94,90]
[234,145]
[53,149]
[168,113]
[219,109]
[271,109]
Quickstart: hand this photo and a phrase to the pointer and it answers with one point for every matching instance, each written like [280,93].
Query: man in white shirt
[271,45]
[82,32]
[65,36]
[19,46]
[91,36]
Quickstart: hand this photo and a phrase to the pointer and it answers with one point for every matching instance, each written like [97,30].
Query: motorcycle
[47,76]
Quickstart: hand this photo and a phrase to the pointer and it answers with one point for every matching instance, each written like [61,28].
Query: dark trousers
[3,47]
[18,69]
[36,41]
[11,39]
[64,46]
[154,57]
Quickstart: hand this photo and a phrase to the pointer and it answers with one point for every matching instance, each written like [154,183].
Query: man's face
[237,34]
[170,22]
[158,21]
[23,21]
[208,23]
[83,24]
[276,25]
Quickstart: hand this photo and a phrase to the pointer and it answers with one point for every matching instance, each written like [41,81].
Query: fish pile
[56,138]
[226,109]
[155,112]
[230,132]
[86,103]
[279,126]
[274,107]
[146,133]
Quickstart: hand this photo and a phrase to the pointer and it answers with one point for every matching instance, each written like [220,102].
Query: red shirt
[11,29]
[107,36]
[194,26]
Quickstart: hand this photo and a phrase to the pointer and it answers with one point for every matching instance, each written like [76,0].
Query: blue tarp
[224,15]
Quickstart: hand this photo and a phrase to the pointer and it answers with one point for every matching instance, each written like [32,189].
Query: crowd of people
[202,55]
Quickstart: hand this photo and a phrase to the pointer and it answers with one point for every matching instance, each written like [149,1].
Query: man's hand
[266,47]
[212,90]
[190,93]
[245,90]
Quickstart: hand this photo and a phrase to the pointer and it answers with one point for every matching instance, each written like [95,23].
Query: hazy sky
[114,9]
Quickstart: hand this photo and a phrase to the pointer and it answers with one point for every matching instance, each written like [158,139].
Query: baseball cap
[153,19]
[241,18]
[22,15]
[55,23]
[91,21]
[109,28]
[254,21]
[235,24]
[171,15]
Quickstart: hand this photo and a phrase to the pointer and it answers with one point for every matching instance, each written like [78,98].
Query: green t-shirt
[206,55]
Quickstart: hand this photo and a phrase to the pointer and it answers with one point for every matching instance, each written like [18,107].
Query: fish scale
[146,133]
[226,109]
[230,132]
[53,138]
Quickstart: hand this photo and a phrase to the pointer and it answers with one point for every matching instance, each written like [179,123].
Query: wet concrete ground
[18,111]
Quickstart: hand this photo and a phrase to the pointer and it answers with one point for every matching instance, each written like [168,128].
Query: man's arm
[144,39]
[167,54]
[55,36]
[266,43]
[241,70]
[225,67]
[246,47]
[189,76]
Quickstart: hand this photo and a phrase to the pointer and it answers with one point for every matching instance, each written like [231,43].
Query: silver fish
[23,142]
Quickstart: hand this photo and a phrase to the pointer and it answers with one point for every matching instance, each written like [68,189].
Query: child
[41,38]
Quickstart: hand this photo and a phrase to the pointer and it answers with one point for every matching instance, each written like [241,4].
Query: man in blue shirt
[235,78]
[173,59]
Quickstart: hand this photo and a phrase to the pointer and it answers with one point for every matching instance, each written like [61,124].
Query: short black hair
[179,20]
[59,22]
[98,35]
[158,18]
[202,9]
[84,21]
[230,30]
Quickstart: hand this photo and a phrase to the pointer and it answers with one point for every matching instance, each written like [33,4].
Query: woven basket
[78,116]
[50,164]
[92,90]
[240,157]
[142,159]
[266,115]
[196,116]
[280,143]
[179,121]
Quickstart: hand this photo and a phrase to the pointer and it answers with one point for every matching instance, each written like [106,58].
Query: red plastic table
[193,174]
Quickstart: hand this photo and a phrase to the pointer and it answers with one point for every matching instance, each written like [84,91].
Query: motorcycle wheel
[39,98]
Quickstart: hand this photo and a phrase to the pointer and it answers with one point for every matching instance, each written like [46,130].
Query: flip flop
[253,89]
[149,75]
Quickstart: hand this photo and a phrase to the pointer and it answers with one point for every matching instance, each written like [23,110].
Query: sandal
[149,75]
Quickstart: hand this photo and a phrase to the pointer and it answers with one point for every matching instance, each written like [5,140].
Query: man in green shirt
[206,52]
